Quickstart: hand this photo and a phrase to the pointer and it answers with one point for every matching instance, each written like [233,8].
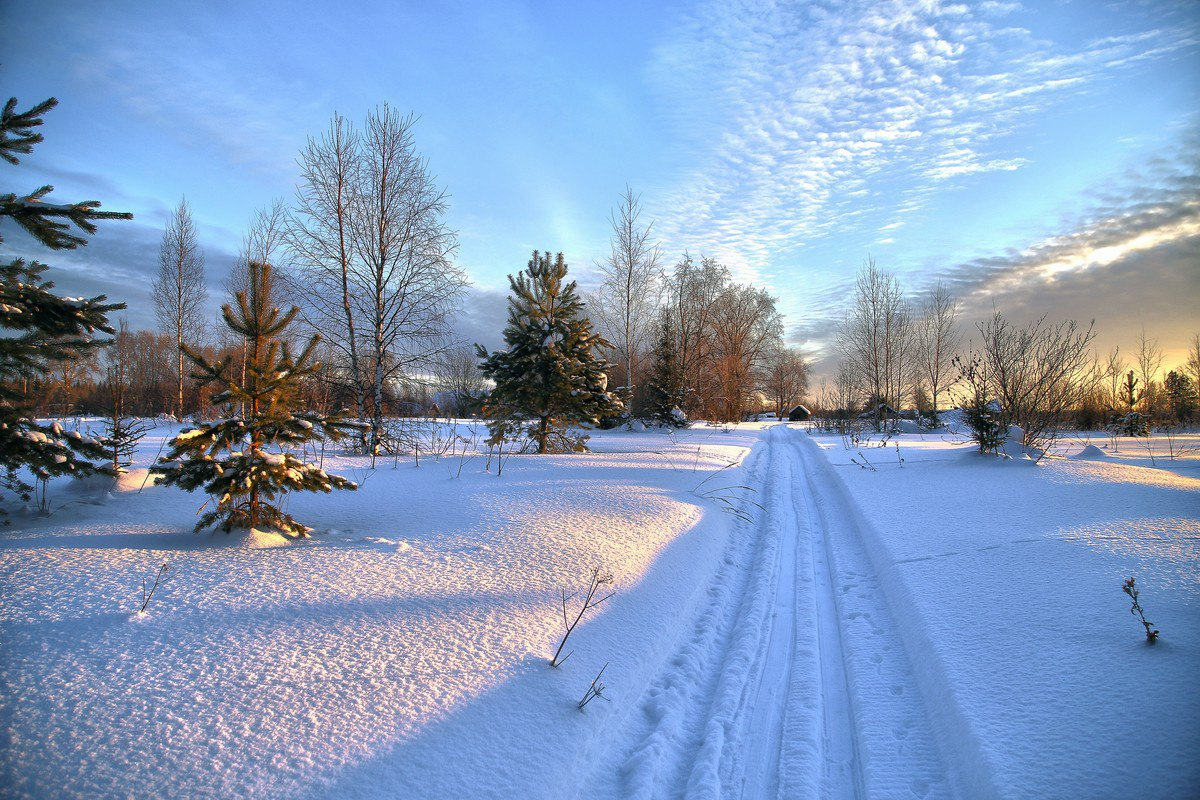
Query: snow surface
[786,623]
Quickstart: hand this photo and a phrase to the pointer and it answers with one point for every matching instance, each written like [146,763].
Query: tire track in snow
[770,693]
[841,774]
[797,736]
[667,736]
[893,738]
[792,680]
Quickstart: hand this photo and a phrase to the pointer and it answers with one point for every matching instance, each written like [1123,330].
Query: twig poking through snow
[595,690]
[146,595]
[864,464]
[597,580]
[1130,589]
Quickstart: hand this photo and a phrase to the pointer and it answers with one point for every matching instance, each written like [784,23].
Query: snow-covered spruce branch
[597,580]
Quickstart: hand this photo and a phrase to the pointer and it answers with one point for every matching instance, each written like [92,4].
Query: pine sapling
[597,580]
[595,690]
[1130,589]
[121,438]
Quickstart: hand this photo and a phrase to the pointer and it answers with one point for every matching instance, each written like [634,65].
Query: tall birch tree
[630,289]
[322,245]
[403,248]
[179,292]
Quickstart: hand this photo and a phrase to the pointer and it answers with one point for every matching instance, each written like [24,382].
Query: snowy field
[941,626]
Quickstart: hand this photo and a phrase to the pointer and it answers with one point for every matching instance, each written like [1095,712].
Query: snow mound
[1010,452]
[255,539]
[1090,453]
[93,488]
[133,480]
[246,539]
[1015,450]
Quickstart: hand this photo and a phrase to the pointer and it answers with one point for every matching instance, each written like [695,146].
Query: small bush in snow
[595,690]
[1130,588]
[1131,423]
[981,415]
[597,580]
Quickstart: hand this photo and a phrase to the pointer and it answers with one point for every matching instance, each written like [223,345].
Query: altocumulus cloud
[806,119]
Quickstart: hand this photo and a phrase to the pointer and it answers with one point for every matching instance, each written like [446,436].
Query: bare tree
[630,289]
[322,244]
[836,400]
[875,340]
[179,291]
[785,378]
[1037,373]
[403,248]
[693,293]
[937,340]
[264,242]
[457,371]
[1112,369]
[1192,364]
[745,326]
[1149,359]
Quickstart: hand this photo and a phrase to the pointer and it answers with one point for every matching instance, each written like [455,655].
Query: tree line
[365,253]
[900,352]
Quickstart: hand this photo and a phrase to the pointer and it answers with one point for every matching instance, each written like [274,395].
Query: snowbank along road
[793,681]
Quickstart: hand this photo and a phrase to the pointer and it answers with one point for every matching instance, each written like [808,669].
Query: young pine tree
[121,433]
[981,414]
[257,466]
[550,371]
[1132,422]
[665,403]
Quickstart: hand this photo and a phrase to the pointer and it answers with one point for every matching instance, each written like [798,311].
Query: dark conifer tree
[665,403]
[258,465]
[550,371]
[1181,396]
[38,327]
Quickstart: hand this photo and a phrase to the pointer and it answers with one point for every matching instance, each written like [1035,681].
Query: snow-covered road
[794,682]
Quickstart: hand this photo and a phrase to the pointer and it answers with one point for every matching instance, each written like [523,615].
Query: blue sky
[1041,156]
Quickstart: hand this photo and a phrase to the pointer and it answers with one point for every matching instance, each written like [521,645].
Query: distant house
[799,414]
[881,411]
